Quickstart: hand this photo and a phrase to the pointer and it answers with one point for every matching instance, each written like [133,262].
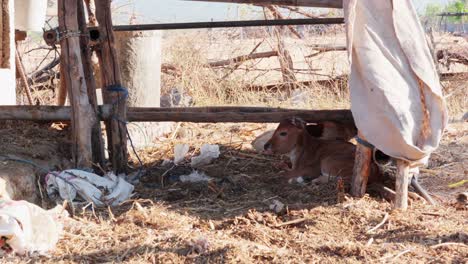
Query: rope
[122,90]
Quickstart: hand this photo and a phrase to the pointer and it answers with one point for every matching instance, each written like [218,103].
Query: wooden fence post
[96,137]
[361,171]
[83,116]
[401,185]
[110,74]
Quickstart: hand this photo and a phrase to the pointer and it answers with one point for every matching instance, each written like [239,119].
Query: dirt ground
[230,220]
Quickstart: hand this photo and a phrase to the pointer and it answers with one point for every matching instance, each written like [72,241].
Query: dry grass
[228,220]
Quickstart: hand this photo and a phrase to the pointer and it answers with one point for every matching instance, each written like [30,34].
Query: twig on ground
[449,244]
[292,222]
[379,225]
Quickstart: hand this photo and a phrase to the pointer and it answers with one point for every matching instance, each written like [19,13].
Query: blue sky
[183,11]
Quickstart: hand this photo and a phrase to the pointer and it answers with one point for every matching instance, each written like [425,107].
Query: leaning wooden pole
[83,116]
[112,90]
[97,140]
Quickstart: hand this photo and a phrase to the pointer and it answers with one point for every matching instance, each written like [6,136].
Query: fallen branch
[176,71]
[243,58]
[324,48]
[379,225]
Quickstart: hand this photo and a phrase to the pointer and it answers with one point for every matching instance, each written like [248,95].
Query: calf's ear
[298,122]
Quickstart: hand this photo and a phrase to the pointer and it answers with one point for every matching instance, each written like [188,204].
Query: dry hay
[229,219]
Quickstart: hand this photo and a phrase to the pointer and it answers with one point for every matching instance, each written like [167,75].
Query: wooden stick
[401,185]
[22,75]
[292,222]
[378,225]
[242,58]
[285,59]
[83,116]
[110,71]
[62,91]
[97,140]
[449,244]
[202,114]
[174,70]
[362,168]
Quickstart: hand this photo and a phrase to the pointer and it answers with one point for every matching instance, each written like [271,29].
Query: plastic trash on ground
[27,228]
[277,206]
[207,154]
[102,191]
[195,176]
[180,150]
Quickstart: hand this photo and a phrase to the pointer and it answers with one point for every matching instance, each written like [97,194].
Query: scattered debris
[199,245]
[207,154]
[166,162]
[27,228]
[180,150]
[277,206]
[102,191]
[298,180]
[195,176]
[462,200]
[176,98]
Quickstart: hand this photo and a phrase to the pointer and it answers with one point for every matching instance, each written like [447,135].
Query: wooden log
[35,113]
[83,116]
[362,168]
[401,185]
[96,133]
[236,117]
[308,3]
[196,115]
[110,73]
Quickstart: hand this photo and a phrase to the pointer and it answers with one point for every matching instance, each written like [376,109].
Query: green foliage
[458,6]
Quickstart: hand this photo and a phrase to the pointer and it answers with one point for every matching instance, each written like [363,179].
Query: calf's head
[285,137]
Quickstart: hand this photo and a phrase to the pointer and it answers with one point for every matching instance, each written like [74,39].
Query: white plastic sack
[102,191]
[396,96]
[180,150]
[194,177]
[207,154]
[29,228]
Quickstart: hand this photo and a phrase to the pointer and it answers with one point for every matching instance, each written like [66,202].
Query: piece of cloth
[396,95]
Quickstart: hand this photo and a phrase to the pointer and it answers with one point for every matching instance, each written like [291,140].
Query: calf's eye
[283,134]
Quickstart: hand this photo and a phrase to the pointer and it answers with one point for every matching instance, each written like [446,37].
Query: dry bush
[230,85]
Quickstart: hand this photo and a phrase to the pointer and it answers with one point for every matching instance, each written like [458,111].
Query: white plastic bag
[29,228]
[89,186]
[180,150]
[207,154]
[195,176]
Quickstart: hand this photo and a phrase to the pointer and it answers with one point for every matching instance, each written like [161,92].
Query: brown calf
[313,157]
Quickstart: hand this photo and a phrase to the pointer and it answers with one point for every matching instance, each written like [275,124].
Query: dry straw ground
[229,220]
